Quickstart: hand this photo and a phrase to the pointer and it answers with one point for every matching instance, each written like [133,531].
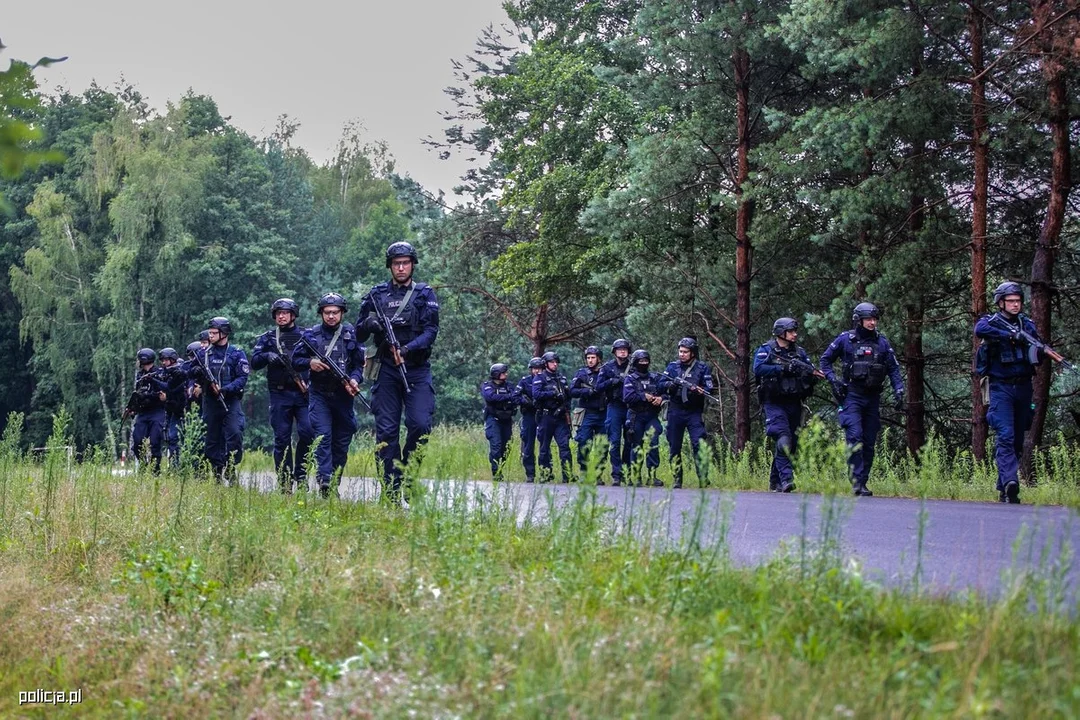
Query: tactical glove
[898,402]
[371,324]
[839,390]
[274,358]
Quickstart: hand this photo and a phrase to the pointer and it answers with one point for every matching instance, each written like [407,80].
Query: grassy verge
[171,597]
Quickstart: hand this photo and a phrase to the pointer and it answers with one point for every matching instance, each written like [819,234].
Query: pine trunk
[980,143]
[743,251]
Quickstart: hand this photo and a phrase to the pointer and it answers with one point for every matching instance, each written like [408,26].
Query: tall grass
[183,598]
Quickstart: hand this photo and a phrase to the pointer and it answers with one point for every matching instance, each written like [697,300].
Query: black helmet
[287,304]
[593,350]
[620,343]
[169,354]
[193,348]
[335,299]
[690,343]
[864,310]
[401,249]
[783,325]
[640,357]
[498,369]
[1007,288]
[204,336]
[549,357]
[536,363]
[146,356]
[221,324]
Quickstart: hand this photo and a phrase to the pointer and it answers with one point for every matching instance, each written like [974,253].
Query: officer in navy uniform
[523,393]
[175,401]
[413,311]
[499,404]
[221,394]
[686,380]
[643,398]
[867,359]
[1008,360]
[192,388]
[149,406]
[593,401]
[612,376]
[288,393]
[782,387]
[330,400]
[551,395]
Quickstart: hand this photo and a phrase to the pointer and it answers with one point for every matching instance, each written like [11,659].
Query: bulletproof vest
[174,396]
[646,383]
[558,383]
[405,317]
[276,375]
[222,370]
[595,402]
[867,368]
[615,391]
[502,408]
[783,387]
[146,395]
[338,354]
[1007,356]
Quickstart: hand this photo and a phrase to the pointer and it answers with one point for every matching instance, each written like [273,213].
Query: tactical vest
[217,359]
[615,391]
[146,395]
[277,377]
[339,354]
[557,383]
[502,408]
[867,369]
[645,384]
[783,387]
[405,317]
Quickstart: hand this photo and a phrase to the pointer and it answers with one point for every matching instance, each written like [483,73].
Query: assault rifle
[390,337]
[798,364]
[1031,340]
[336,371]
[208,377]
[692,387]
[143,389]
[286,360]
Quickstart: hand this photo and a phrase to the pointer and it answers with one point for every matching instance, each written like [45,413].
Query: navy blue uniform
[416,325]
[867,359]
[642,422]
[288,402]
[149,408]
[330,406]
[228,366]
[175,406]
[552,399]
[499,402]
[612,376]
[685,413]
[1009,363]
[593,400]
[781,388]
[528,426]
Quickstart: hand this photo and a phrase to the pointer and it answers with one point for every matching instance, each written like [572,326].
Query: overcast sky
[323,63]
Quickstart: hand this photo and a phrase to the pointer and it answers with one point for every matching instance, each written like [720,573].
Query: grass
[175,597]
[461,452]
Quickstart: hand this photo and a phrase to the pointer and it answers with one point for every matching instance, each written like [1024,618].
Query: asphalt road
[963,545]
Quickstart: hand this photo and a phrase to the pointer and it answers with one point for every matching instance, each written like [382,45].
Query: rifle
[286,360]
[337,372]
[204,370]
[692,387]
[390,337]
[1034,342]
[142,389]
[794,362]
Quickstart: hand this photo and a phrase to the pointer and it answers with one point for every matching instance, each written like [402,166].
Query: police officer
[288,389]
[204,338]
[867,359]
[499,403]
[642,395]
[551,395]
[1008,360]
[785,378]
[222,386]
[148,404]
[330,398]
[686,380]
[523,393]
[592,403]
[192,388]
[612,376]
[412,310]
[175,401]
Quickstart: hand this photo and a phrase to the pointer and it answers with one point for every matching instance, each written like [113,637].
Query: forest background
[641,168]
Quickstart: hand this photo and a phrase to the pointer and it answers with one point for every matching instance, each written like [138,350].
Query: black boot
[862,491]
[1011,493]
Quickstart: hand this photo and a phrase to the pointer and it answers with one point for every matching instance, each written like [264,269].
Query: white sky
[323,63]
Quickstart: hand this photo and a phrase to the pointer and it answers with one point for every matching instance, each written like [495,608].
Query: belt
[1011,380]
